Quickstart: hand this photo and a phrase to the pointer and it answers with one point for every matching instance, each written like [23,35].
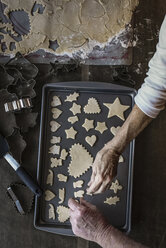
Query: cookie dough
[49,195]
[56,112]
[73,119]
[92,106]
[63,213]
[114,130]
[54,126]
[79,193]
[64,154]
[50,178]
[55,101]
[78,184]
[70,133]
[62,178]
[88,124]
[75,109]
[51,212]
[91,140]
[101,127]
[116,109]
[115,186]
[55,162]
[61,195]
[112,200]
[81,160]
[72,97]
[55,140]
[54,149]
[121,159]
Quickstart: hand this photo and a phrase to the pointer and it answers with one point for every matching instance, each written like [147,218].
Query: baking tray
[118,215]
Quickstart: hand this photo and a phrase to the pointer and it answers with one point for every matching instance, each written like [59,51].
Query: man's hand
[86,220]
[104,169]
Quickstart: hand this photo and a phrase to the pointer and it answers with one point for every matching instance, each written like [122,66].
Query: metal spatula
[24,176]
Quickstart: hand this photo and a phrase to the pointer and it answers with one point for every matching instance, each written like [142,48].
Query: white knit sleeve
[151,97]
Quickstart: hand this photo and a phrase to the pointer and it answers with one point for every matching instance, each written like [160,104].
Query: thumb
[73,205]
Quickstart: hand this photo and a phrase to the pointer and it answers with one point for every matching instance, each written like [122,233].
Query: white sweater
[151,97]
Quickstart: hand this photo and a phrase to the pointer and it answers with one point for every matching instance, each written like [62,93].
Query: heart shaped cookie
[49,195]
[114,130]
[91,140]
[81,160]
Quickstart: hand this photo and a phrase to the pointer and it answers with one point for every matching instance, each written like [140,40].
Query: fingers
[92,176]
[96,184]
[73,205]
[87,204]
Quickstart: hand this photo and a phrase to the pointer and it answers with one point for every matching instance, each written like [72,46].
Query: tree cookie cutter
[18,105]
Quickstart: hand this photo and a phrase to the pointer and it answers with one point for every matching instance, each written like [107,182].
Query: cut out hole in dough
[81,160]
[92,106]
[72,97]
[62,178]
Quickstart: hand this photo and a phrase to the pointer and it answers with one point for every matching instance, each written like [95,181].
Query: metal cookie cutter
[16,201]
[17,105]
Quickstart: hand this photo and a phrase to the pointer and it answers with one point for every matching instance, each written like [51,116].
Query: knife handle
[27,179]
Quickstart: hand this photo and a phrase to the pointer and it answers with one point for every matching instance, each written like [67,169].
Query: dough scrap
[116,109]
[64,154]
[75,109]
[73,119]
[56,112]
[55,101]
[61,195]
[78,184]
[55,162]
[115,186]
[114,130]
[72,97]
[70,133]
[74,24]
[51,212]
[112,200]
[91,140]
[92,106]
[55,140]
[121,159]
[54,149]
[88,124]
[79,193]
[49,195]
[54,126]
[63,213]
[81,160]
[101,127]
[62,178]
[50,178]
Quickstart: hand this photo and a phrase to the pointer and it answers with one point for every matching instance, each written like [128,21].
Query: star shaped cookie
[70,133]
[88,124]
[75,109]
[116,108]
[101,127]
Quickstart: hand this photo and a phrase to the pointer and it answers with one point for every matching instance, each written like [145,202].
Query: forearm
[133,125]
[114,238]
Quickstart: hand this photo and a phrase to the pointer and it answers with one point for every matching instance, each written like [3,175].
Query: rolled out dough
[73,24]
